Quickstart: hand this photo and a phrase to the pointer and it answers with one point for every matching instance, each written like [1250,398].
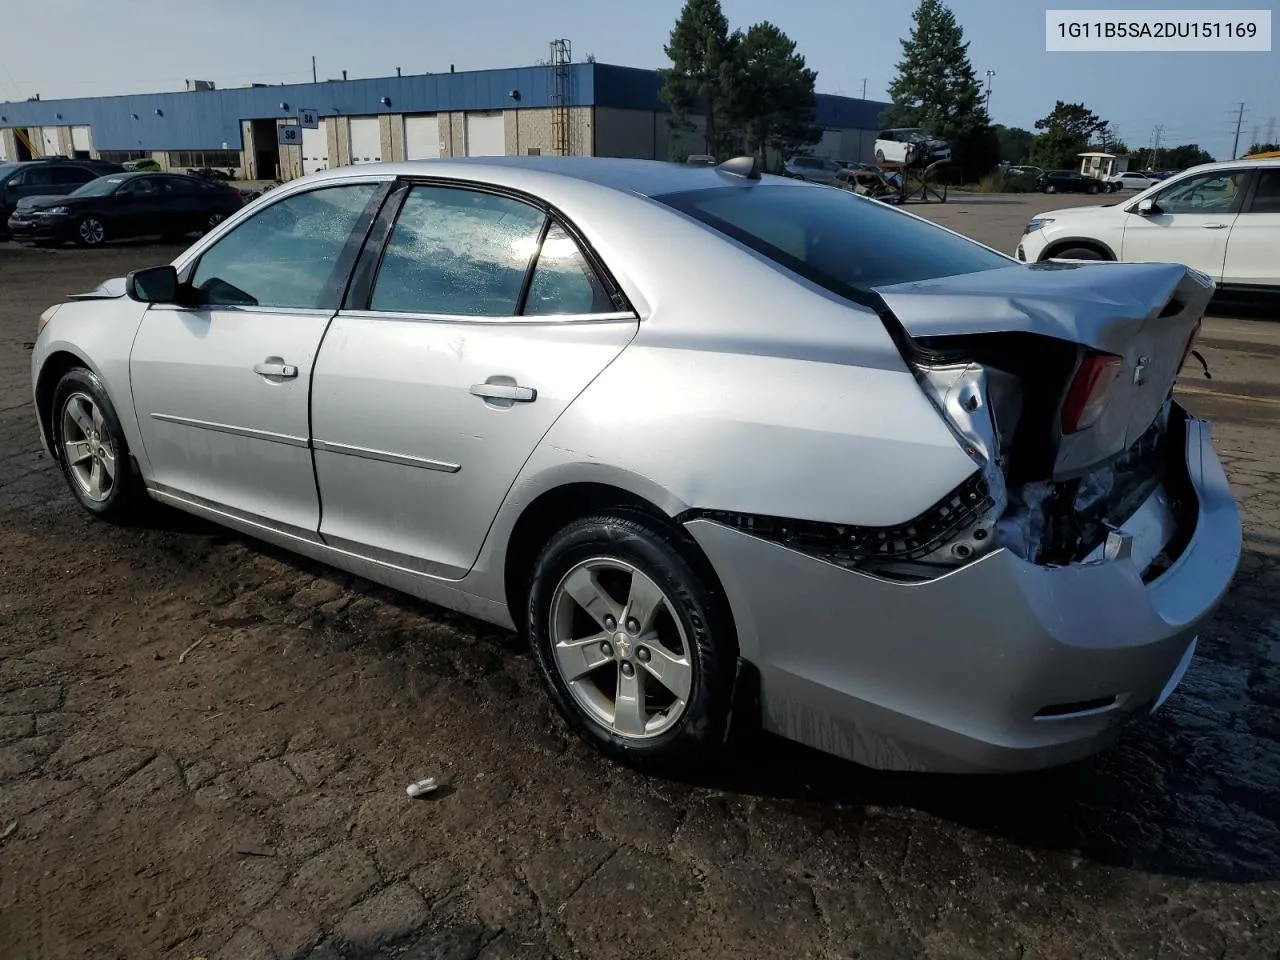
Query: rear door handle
[505,391]
[275,368]
[1215,226]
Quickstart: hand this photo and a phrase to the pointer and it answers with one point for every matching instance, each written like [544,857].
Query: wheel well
[556,509]
[55,366]
[1057,248]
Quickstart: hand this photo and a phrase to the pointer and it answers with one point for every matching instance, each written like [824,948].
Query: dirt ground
[205,743]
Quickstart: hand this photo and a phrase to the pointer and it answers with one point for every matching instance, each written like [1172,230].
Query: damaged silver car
[728,449]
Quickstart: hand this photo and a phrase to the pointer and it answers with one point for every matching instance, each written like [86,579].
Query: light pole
[990,74]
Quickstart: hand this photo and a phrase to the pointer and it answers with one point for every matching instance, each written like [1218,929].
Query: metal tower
[561,95]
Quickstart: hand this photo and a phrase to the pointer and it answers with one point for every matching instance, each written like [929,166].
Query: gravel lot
[247,800]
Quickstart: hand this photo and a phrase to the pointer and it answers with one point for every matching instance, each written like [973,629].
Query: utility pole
[864,88]
[990,74]
[313,69]
[1235,147]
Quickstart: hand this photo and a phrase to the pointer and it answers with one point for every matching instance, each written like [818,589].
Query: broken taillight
[1087,396]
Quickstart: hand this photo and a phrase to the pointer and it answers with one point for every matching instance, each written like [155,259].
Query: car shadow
[1192,792]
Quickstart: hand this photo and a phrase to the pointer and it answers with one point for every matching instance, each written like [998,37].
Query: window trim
[365,274]
[339,281]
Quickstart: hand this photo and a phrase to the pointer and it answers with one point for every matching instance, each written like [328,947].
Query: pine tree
[773,95]
[937,88]
[700,76]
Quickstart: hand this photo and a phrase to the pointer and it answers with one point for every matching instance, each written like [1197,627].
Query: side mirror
[153,285]
[1148,207]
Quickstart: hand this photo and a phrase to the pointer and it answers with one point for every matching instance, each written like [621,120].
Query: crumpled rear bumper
[1001,665]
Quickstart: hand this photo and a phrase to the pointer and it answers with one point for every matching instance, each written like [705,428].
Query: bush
[1000,182]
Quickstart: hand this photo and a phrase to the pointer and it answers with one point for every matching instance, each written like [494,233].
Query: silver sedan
[730,450]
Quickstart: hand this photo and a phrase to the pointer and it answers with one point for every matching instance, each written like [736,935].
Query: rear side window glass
[457,253]
[842,242]
[284,255]
[563,282]
[1266,196]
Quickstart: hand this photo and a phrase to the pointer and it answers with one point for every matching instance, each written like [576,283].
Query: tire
[1050,188]
[1092,188]
[1079,253]
[211,221]
[879,158]
[605,556]
[81,409]
[90,232]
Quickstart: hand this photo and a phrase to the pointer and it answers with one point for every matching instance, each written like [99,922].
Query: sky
[89,48]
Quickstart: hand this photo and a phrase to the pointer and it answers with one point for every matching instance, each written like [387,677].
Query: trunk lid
[1144,314]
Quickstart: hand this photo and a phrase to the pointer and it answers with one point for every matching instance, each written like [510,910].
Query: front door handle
[505,391]
[1214,226]
[275,368]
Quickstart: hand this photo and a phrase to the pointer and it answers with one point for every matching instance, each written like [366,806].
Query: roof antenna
[746,167]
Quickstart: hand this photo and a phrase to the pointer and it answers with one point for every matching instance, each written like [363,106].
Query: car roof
[647,178]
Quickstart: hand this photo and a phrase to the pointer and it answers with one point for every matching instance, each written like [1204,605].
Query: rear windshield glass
[840,241]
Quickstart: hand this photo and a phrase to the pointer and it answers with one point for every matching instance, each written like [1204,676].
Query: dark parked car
[49,177]
[1069,181]
[126,205]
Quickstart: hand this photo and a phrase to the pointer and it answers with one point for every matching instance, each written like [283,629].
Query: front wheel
[1051,189]
[91,232]
[91,447]
[633,641]
[879,158]
[1078,253]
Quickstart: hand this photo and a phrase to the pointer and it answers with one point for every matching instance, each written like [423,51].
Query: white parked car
[1220,218]
[910,145]
[1132,180]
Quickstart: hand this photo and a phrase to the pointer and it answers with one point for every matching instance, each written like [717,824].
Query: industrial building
[284,131]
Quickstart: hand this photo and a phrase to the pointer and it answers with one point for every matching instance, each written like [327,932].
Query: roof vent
[746,167]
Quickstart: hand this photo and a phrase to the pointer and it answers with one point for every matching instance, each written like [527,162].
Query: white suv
[1221,218]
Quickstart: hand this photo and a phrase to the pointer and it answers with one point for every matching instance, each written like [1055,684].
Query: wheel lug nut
[642,654]
[610,623]
[633,625]
[627,669]
[607,649]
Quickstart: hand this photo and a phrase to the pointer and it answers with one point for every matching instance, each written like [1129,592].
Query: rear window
[840,241]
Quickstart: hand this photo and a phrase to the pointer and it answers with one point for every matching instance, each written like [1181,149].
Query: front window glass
[1212,192]
[845,243]
[284,255]
[458,253]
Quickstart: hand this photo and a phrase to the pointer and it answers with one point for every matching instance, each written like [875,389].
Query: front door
[220,387]
[1189,224]
[1253,249]
[478,333]
[137,208]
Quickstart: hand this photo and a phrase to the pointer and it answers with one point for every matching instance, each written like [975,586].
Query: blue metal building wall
[204,120]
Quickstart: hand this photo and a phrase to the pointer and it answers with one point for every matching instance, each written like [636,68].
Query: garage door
[485,135]
[422,137]
[81,141]
[4,151]
[49,142]
[315,148]
[366,144]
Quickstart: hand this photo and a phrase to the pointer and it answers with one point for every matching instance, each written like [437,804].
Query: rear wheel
[633,642]
[91,232]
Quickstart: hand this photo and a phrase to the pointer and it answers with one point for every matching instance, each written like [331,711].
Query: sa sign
[308,118]
[290,136]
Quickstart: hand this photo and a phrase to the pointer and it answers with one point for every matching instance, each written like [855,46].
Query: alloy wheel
[90,455]
[214,220]
[92,231]
[620,648]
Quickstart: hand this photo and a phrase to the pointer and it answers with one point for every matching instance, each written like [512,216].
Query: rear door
[1190,223]
[1253,248]
[433,386]
[221,387]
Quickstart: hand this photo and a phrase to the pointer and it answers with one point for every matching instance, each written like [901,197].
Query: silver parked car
[726,447]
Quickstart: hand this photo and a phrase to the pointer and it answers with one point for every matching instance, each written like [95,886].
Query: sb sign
[308,118]
[290,136]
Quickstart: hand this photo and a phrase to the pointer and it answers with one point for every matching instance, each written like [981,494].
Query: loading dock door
[421,137]
[486,136]
[81,142]
[315,148]
[49,146]
[366,144]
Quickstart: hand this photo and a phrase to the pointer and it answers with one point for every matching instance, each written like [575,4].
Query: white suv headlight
[1036,224]
[46,317]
